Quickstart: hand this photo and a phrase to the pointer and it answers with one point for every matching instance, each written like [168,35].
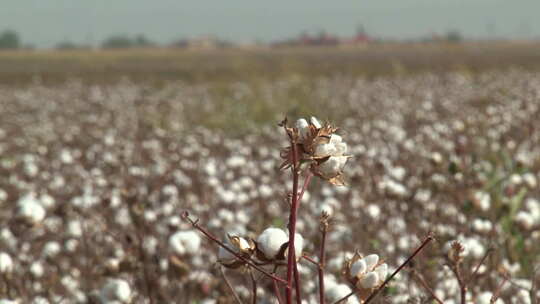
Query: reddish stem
[322,258]
[292,226]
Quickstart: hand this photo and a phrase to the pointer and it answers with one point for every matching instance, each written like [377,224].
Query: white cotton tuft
[30,210]
[303,128]
[371,260]
[271,240]
[333,166]
[6,263]
[382,271]
[116,290]
[185,242]
[370,280]
[358,268]
[315,122]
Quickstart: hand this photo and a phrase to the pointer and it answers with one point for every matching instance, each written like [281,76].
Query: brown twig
[534,287]
[456,269]
[497,292]
[477,268]
[276,288]
[311,260]
[428,239]
[297,282]
[424,284]
[195,224]
[253,287]
[322,255]
[235,295]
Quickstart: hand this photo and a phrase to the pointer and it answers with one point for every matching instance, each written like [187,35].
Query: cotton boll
[30,210]
[371,260]
[116,290]
[40,300]
[530,180]
[303,128]
[324,150]
[333,166]
[271,240]
[373,211]
[358,268]
[298,246]
[71,245]
[482,200]
[326,208]
[47,201]
[315,122]
[382,271]
[242,246]
[335,292]
[524,219]
[6,263]
[37,270]
[185,242]
[370,280]
[485,298]
[74,228]
[51,249]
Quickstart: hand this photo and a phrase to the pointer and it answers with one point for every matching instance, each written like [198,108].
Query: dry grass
[158,65]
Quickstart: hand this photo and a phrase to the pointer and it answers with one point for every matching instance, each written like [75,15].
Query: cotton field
[94,180]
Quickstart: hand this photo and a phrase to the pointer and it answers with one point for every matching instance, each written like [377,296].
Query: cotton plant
[315,150]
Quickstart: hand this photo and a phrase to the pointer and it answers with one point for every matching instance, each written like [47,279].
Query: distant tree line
[124,41]
[9,40]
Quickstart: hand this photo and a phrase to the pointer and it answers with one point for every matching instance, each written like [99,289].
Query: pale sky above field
[44,23]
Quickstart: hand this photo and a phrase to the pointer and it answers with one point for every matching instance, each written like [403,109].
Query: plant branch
[423,282]
[311,260]
[297,282]
[253,286]
[276,288]
[195,224]
[477,268]
[322,255]
[456,269]
[292,223]
[235,295]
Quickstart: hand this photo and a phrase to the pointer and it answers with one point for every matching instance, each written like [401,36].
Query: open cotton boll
[485,298]
[6,263]
[324,150]
[382,271]
[37,270]
[371,260]
[298,246]
[185,242]
[333,166]
[271,240]
[358,268]
[315,122]
[226,256]
[116,290]
[303,128]
[334,147]
[30,210]
[335,292]
[370,280]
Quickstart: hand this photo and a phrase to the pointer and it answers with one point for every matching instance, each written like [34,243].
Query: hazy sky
[46,22]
